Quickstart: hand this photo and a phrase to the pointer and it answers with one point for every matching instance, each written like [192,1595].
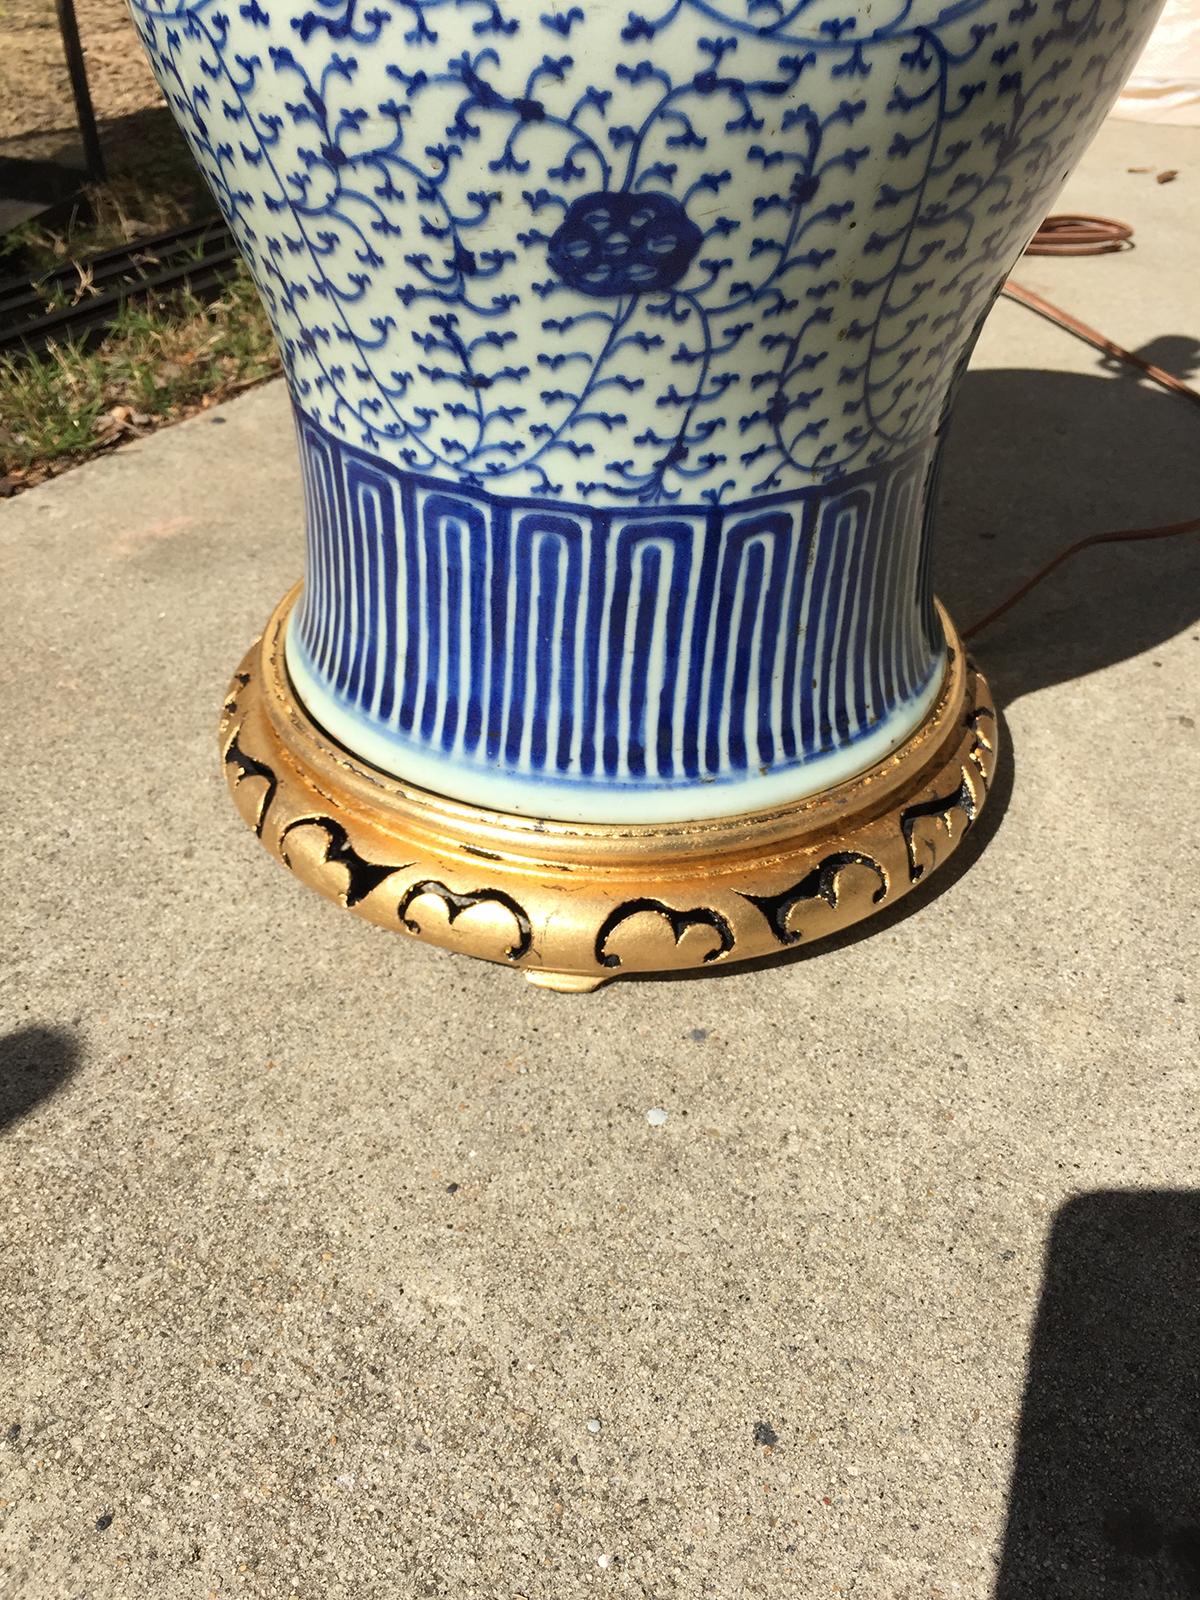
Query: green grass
[159,362]
[163,358]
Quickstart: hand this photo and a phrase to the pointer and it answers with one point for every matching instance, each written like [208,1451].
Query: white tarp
[1165,86]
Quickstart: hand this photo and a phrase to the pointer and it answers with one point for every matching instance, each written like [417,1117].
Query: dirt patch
[37,114]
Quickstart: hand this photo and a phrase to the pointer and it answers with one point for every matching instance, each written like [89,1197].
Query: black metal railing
[79,301]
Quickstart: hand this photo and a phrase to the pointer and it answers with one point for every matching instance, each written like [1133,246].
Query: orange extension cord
[1086,236]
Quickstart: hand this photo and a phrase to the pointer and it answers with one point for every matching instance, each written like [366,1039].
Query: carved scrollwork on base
[572,905]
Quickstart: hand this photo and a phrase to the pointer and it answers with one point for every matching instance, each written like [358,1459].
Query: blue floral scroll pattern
[672,253]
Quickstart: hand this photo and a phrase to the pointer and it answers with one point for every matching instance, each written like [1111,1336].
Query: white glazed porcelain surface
[620,339]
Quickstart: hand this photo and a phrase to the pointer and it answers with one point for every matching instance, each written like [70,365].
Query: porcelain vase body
[620,339]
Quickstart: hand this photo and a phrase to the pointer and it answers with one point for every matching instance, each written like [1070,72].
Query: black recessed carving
[247,767]
[456,904]
[678,921]
[363,876]
[822,883]
[241,679]
[940,808]
[982,744]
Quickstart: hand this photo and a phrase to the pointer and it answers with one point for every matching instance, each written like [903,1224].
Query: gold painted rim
[574,904]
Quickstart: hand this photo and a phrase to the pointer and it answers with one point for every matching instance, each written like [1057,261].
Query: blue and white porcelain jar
[620,336]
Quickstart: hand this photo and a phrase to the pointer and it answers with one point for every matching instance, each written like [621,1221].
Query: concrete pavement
[334,1266]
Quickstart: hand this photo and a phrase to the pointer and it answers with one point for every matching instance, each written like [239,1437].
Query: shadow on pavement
[35,1063]
[1039,459]
[1104,1502]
